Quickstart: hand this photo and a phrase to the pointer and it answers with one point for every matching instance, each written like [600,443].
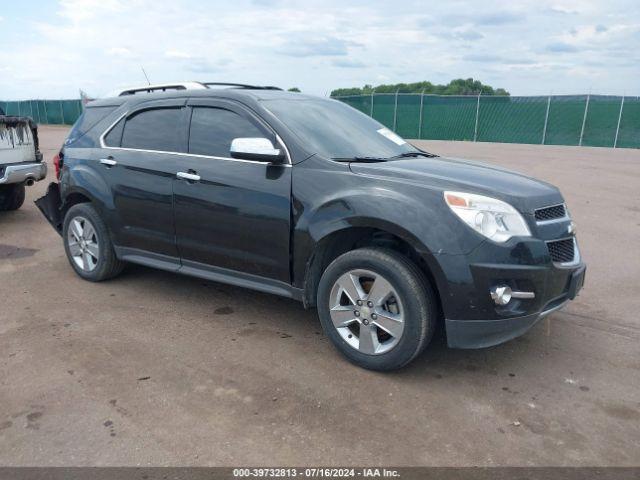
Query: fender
[401,215]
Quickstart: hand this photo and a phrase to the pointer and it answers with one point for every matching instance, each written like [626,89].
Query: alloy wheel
[367,311]
[83,244]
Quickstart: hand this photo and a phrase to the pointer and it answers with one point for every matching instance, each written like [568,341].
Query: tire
[401,322]
[87,244]
[11,196]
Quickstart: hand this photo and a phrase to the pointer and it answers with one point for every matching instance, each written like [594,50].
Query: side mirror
[258,149]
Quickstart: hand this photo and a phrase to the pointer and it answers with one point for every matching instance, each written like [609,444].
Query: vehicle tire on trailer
[11,196]
[87,244]
[377,308]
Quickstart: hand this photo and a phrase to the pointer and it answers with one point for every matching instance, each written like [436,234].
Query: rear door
[140,161]
[237,215]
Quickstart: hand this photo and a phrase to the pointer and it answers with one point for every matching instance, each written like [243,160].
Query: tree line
[459,86]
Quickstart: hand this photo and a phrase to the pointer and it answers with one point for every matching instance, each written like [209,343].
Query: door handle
[192,177]
[109,162]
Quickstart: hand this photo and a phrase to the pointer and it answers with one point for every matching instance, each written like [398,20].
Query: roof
[244,93]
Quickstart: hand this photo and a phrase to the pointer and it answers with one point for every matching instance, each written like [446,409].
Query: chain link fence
[52,112]
[589,120]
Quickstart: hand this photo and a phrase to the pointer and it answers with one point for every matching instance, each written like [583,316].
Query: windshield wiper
[415,154]
[361,159]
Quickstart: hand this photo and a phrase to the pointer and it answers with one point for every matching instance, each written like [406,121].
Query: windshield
[336,130]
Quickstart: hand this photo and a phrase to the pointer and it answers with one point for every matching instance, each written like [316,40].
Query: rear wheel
[88,245]
[377,308]
[11,196]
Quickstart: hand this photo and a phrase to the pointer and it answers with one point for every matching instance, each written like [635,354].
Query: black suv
[310,199]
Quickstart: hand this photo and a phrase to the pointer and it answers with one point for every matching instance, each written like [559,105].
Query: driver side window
[213,129]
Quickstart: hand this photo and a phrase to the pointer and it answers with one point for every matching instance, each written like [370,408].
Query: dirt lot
[157,368]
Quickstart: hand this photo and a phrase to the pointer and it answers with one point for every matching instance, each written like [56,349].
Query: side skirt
[208,272]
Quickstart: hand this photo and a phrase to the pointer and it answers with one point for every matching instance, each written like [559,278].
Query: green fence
[589,120]
[53,112]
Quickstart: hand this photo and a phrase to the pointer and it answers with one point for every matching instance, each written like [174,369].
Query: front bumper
[474,320]
[21,172]
[486,333]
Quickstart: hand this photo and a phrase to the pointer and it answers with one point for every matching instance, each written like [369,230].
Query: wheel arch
[82,184]
[367,232]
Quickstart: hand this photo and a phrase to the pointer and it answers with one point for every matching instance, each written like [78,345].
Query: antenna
[145,75]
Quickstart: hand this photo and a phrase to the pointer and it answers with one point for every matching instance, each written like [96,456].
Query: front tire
[11,197]
[377,308]
[88,245]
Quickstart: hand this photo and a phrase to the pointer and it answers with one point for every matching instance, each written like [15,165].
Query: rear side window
[87,120]
[114,137]
[213,129]
[157,129]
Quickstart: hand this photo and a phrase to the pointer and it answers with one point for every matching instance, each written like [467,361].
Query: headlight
[488,216]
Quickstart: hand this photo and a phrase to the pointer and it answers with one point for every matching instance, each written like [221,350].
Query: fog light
[501,294]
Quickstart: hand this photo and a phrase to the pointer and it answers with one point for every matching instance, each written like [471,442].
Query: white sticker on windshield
[385,132]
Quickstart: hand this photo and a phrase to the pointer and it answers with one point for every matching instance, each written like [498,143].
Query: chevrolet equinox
[310,199]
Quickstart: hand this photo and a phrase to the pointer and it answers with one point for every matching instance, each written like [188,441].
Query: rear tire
[87,244]
[377,308]
[11,196]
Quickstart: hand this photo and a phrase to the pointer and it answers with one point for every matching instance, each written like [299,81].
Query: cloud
[498,59]
[500,18]
[482,57]
[563,10]
[173,53]
[316,47]
[483,19]
[531,47]
[467,35]
[348,63]
[561,47]
[122,52]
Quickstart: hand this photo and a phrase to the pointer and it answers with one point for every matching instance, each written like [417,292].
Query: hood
[524,193]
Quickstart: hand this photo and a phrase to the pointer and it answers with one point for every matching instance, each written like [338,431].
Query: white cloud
[173,53]
[532,48]
[120,52]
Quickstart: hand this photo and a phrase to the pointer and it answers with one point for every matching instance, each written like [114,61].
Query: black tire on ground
[11,196]
[417,297]
[107,265]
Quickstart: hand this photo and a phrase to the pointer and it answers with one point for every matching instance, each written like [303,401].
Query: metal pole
[46,115]
[615,141]
[546,119]
[584,119]
[395,112]
[475,130]
[372,91]
[62,112]
[421,110]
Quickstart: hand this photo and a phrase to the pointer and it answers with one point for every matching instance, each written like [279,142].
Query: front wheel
[377,308]
[88,245]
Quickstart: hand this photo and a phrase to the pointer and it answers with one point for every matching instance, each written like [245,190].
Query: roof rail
[239,85]
[161,87]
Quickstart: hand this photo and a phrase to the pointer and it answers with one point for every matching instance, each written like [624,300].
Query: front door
[235,215]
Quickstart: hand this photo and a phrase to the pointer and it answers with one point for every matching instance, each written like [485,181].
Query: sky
[53,48]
